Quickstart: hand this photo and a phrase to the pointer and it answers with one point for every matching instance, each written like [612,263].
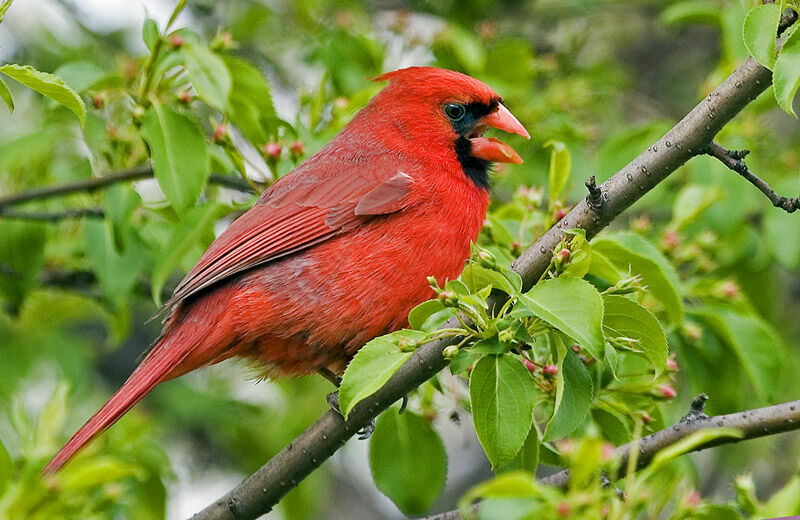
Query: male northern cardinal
[338,251]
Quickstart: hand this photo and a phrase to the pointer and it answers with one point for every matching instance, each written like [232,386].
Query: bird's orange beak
[491,148]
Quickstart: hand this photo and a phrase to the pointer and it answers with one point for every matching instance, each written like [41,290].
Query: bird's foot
[363,433]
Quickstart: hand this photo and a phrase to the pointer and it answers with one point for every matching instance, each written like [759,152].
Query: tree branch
[89,185]
[260,492]
[734,159]
[52,216]
[753,424]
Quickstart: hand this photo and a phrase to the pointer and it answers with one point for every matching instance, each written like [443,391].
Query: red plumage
[338,251]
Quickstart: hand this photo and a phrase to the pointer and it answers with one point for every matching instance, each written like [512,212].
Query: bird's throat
[475,168]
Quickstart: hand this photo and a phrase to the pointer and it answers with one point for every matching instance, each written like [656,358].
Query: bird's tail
[159,365]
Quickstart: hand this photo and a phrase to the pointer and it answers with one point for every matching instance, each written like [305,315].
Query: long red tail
[154,368]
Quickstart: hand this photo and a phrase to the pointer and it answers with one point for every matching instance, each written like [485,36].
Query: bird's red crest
[430,82]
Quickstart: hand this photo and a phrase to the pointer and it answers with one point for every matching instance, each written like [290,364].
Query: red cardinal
[337,252]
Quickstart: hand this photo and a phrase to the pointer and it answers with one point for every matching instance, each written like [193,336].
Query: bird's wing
[300,210]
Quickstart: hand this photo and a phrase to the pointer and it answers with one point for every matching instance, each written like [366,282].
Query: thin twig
[734,160]
[752,424]
[89,185]
[52,216]
[260,492]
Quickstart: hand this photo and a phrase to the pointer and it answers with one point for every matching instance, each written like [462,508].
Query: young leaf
[759,32]
[626,318]
[573,395]
[560,166]
[179,153]
[150,33]
[786,79]
[408,460]
[4,7]
[420,314]
[6,95]
[197,223]
[462,360]
[572,306]
[502,394]
[372,366]
[208,74]
[47,85]
[251,108]
[630,251]
[476,278]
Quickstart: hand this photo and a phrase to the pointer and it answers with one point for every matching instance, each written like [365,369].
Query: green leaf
[420,314]
[689,444]
[627,251]
[251,108]
[691,202]
[21,257]
[408,460]
[48,85]
[757,346]
[626,318]
[527,459]
[691,11]
[96,471]
[786,79]
[198,223]
[560,166]
[208,74]
[372,366]
[502,395]
[116,269]
[462,360]
[6,95]
[4,7]
[179,153]
[512,484]
[785,501]
[572,306]
[476,278]
[5,468]
[759,32]
[581,254]
[150,33]
[51,419]
[573,395]
[80,75]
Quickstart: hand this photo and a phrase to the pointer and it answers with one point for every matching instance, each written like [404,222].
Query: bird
[339,250]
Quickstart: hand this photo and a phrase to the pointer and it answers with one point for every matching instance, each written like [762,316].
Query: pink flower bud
[272,150]
[667,392]
[530,365]
[550,370]
[176,41]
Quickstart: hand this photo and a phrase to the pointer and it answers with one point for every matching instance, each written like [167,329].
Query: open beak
[491,148]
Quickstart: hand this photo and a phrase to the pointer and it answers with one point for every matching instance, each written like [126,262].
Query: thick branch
[734,159]
[752,424]
[95,183]
[260,492]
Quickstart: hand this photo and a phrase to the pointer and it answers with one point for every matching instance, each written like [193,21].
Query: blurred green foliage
[208,92]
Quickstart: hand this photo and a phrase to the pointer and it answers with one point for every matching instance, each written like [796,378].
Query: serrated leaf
[759,31]
[372,366]
[208,74]
[626,251]
[462,360]
[786,79]
[420,314]
[251,107]
[476,278]
[502,395]
[572,306]
[408,460]
[560,167]
[179,153]
[5,94]
[574,395]
[626,318]
[150,33]
[527,458]
[197,223]
[48,85]
[755,343]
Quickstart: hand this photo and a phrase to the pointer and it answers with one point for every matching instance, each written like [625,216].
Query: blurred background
[606,78]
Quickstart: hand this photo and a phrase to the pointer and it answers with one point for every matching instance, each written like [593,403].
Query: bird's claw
[363,433]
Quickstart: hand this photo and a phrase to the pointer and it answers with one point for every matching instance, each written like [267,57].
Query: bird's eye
[455,112]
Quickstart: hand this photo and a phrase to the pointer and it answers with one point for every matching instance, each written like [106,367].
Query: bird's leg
[333,402]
